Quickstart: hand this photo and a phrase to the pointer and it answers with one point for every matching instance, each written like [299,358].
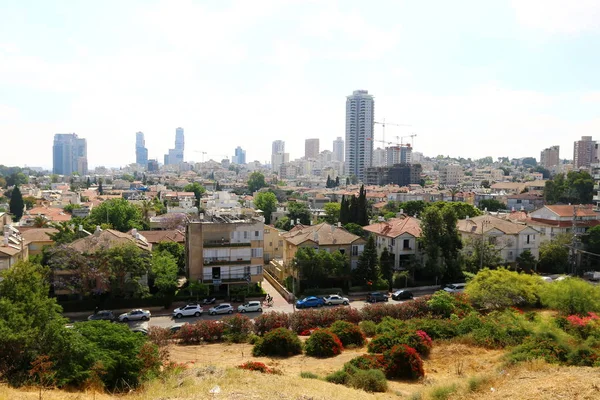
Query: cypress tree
[100,189]
[354,209]
[337,181]
[16,204]
[362,217]
[344,211]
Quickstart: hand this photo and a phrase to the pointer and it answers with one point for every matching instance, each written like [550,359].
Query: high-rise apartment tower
[69,155]
[360,112]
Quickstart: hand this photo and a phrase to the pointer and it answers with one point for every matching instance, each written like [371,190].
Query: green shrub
[403,362]
[442,392]
[323,343]
[501,288]
[308,375]
[389,324]
[280,342]
[384,342]
[441,303]
[365,361]
[545,345]
[348,333]
[340,377]
[369,328]
[237,328]
[436,328]
[500,329]
[419,340]
[370,380]
[476,383]
[582,357]
[571,296]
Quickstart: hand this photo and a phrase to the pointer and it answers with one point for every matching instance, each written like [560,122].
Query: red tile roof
[396,227]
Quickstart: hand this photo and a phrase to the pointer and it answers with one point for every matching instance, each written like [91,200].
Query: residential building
[37,238]
[399,174]
[223,250]
[322,237]
[311,149]
[152,165]
[379,158]
[273,244]
[398,155]
[109,238]
[524,201]
[12,248]
[451,174]
[550,157]
[584,152]
[69,155]
[552,220]
[239,156]
[338,149]
[141,152]
[278,155]
[175,156]
[360,113]
[509,239]
[400,236]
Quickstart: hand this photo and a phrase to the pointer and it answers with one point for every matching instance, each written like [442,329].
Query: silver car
[224,308]
[251,306]
[335,299]
[135,315]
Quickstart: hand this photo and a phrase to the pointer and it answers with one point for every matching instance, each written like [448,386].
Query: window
[256,253]
[267,231]
[280,243]
[354,250]
[245,234]
[406,244]
[256,233]
[393,242]
[527,239]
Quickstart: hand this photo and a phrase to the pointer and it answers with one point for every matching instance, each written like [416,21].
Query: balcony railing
[225,277]
[226,244]
[225,261]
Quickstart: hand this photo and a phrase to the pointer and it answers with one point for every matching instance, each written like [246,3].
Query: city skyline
[459,73]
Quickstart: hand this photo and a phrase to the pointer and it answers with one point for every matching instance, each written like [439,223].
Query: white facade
[338,149]
[360,114]
[451,174]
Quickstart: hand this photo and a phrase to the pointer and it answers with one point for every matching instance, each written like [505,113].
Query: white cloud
[559,16]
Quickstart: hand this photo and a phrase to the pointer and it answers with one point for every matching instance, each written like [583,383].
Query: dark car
[402,295]
[103,315]
[375,297]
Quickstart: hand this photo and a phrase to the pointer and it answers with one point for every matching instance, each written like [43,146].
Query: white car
[335,299]
[135,315]
[251,306]
[191,310]
[455,288]
[224,308]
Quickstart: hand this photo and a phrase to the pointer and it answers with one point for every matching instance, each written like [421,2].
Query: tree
[177,250]
[344,211]
[127,265]
[256,181]
[337,181]
[40,222]
[362,204]
[310,267]
[412,207]
[451,245]
[554,256]
[299,211]
[492,205]
[119,213]
[164,272]
[526,261]
[367,269]
[16,204]
[100,188]
[501,288]
[198,191]
[355,229]
[88,183]
[17,179]
[431,237]
[484,255]
[386,263]
[283,223]
[462,210]
[592,240]
[29,202]
[485,184]
[531,161]
[332,212]
[267,202]
[571,296]
[576,188]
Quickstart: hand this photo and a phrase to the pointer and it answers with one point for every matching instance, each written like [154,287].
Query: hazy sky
[473,78]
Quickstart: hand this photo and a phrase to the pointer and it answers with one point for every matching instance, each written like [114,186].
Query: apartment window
[280,243]
[406,244]
[256,233]
[245,234]
[527,239]
[354,250]
[393,242]
[270,244]
[256,253]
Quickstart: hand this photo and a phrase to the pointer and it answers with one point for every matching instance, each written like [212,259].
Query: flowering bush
[403,362]
[279,342]
[411,309]
[383,342]
[323,343]
[201,331]
[581,326]
[237,327]
[366,361]
[305,332]
[322,318]
[417,340]
[270,320]
[349,333]
[255,366]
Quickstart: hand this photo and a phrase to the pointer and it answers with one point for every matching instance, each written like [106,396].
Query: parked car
[188,311]
[455,288]
[224,308]
[336,299]
[176,327]
[311,301]
[402,295]
[103,315]
[375,297]
[135,315]
[251,306]
[143,331]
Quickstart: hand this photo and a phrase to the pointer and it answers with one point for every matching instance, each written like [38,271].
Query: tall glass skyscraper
[69,155]
[360,112]
[141,152]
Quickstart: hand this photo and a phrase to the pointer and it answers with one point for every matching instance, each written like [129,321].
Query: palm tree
[453,192]
[40,222]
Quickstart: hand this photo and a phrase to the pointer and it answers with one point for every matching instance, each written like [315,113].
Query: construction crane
[399,140]
[380,141]
[383,124]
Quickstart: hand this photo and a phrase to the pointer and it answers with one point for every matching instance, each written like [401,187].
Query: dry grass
[214,365]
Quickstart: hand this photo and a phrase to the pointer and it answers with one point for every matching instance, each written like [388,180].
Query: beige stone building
[273,243]
[225,249]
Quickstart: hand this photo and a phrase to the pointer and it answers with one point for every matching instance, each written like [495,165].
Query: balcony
[222,243]
[225,261]
[226,278]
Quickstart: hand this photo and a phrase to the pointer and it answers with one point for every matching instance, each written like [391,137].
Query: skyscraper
[278,155]
[338,149]
[584,152]
[141,152]
[175,156]
[550,157]
[69,154]
[311,149]
[360,112]
[239,156]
